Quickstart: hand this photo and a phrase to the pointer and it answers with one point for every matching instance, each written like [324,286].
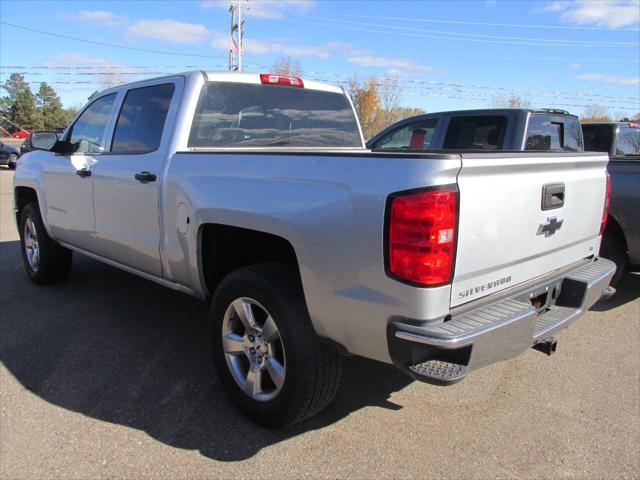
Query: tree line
[20,108]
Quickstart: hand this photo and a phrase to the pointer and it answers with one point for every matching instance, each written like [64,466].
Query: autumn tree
[366,101]
[285,65]
[595,113]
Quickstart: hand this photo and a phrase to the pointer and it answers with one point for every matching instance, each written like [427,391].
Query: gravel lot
[109,375]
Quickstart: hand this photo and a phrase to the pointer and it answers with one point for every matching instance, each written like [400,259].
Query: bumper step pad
[439,372]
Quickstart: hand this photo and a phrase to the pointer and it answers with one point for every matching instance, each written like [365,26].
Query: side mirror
[43,140]
[65,148]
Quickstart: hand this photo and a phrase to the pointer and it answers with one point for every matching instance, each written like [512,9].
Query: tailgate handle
[552,196]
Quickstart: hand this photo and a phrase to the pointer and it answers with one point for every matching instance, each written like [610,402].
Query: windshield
[254,115]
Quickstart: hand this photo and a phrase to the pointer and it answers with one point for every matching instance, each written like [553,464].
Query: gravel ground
[108,375]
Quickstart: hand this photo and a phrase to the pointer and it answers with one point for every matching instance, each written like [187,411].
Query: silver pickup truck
[255,193]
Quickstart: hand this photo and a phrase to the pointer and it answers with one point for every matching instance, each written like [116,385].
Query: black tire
[614,248]
[11,162]
[313,372]
[54,261]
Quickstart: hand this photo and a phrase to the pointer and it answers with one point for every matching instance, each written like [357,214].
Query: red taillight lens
[607,201]
[422,235]
[270,78]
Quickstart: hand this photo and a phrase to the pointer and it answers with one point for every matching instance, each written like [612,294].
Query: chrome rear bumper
[505,328]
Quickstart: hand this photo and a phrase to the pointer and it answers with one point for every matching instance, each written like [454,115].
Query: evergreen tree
[50,111]
[13,86]
[23,111]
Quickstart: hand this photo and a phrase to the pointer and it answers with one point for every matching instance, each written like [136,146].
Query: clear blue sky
[447,54]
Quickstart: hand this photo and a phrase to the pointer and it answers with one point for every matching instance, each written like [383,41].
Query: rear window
[415,136]
[476,133]
[598,138]
[254,115]
[628,142]
[547,132]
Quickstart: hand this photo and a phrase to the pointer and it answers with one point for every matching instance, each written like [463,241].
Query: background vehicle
[621,140]
[22,134]
[485,129]
[8,155]
[254,192]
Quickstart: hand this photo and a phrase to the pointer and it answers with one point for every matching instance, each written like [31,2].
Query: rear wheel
[13,159]
[265,350]
[614,248]
[44,259]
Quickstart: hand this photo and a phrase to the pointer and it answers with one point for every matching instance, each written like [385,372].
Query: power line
[483,24]
[476,35]
[107,44]
[430,91]
[449,36]
[340,78]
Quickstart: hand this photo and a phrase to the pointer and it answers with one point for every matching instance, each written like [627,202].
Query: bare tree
[112,78]
[514,101]
[389,91]
[595,113]
[285,65]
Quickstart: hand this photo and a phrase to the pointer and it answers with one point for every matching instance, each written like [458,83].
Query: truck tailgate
[504,235]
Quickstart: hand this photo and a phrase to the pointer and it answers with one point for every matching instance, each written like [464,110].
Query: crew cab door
[127,180]
[68,179]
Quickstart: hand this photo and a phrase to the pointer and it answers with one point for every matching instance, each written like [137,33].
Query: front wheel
[265,350]
[44,259]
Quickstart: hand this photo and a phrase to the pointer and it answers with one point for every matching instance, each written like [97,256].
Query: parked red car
[22,134]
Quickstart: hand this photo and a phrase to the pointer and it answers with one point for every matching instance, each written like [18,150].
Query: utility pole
[235,48]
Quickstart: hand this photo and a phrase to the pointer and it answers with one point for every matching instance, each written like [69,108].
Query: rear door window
[141,120]
[414,136]
[598,138]
[476,133]
[549,132]
[628,142]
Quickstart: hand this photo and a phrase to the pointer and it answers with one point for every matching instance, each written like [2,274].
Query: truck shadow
[627,290]
[124,350]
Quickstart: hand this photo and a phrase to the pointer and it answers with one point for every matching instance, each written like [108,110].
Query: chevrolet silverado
[255,193]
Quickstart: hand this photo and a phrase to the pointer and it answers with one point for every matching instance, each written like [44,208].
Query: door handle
[144,177]
[552,196]
[83,173]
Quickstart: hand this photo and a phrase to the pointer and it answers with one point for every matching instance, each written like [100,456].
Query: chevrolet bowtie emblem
[549,227]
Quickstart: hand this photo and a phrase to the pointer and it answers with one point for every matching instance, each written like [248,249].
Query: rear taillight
[422,235]
[270,78]
[607,201]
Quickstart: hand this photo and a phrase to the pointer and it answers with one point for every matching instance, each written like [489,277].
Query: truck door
[68,180]
[127,178]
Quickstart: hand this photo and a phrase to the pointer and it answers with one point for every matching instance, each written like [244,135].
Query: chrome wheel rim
[253,349]
[31,246]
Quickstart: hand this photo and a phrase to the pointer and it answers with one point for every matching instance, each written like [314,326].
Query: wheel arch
[614,225]
[24,195]
[225,248]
